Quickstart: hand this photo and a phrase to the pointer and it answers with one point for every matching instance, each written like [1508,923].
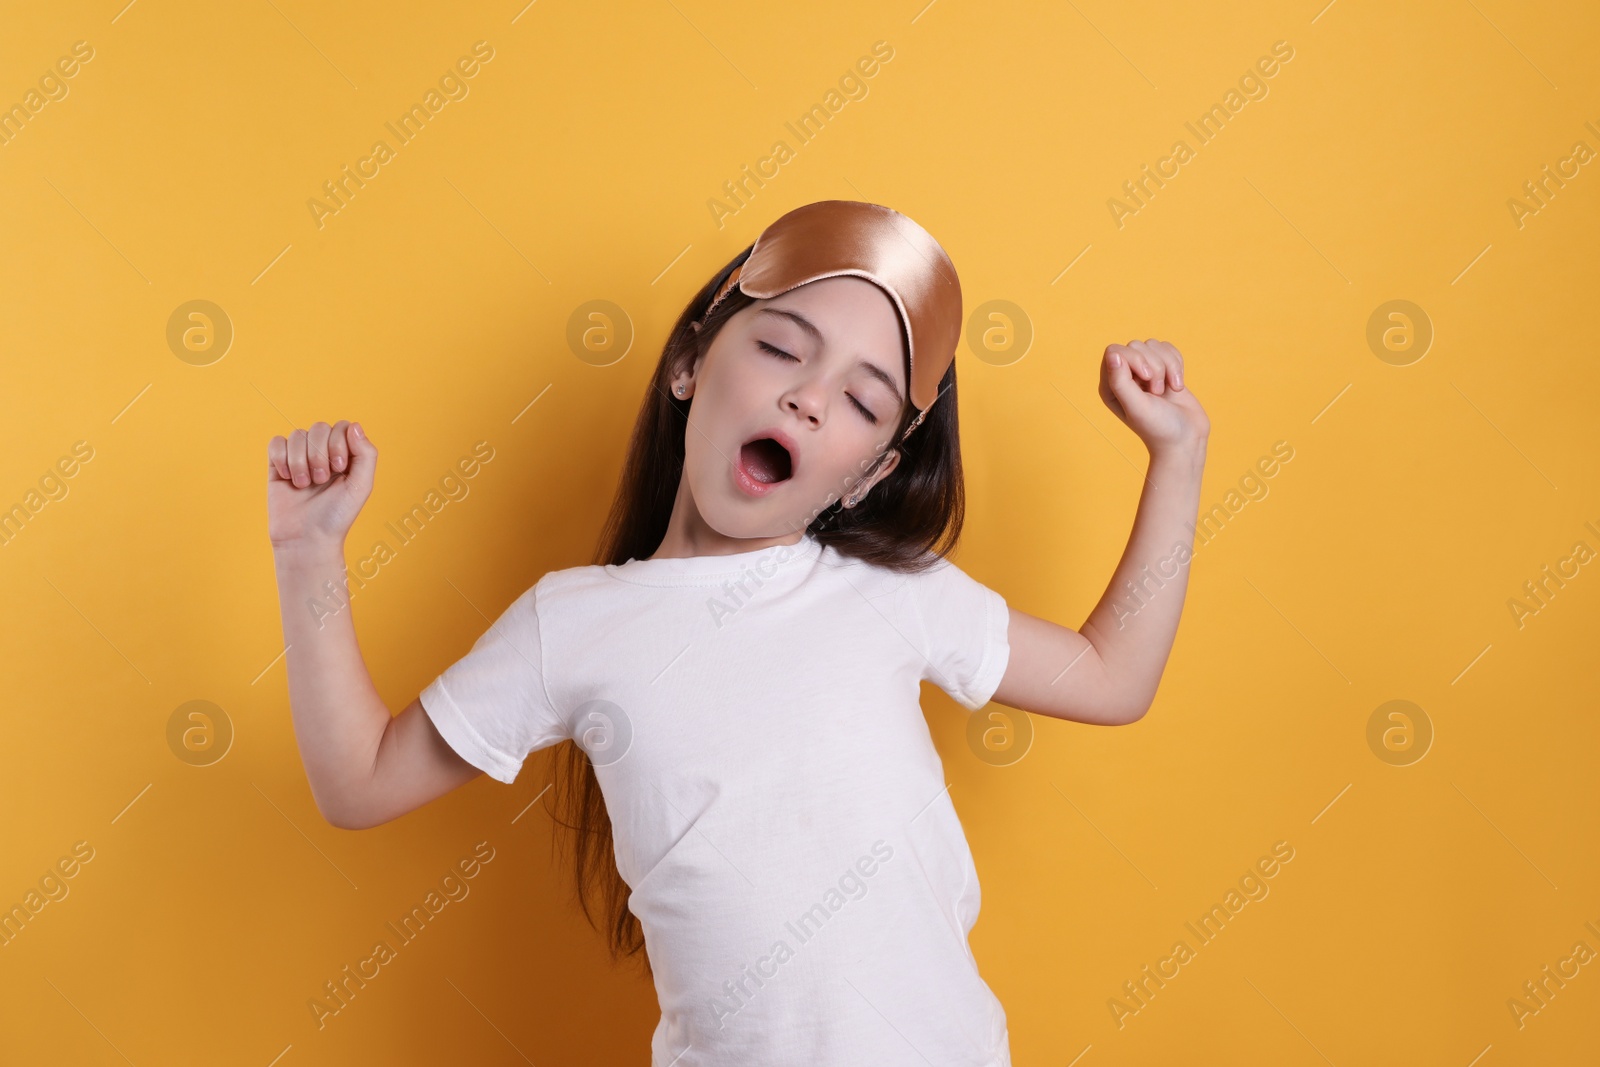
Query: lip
[746,482]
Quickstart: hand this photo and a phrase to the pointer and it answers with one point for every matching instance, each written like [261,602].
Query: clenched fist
[1142,383]
[317,481]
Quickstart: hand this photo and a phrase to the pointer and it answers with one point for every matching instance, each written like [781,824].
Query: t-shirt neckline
[700,570]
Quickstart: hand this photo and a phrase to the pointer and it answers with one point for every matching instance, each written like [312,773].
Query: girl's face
[820,370]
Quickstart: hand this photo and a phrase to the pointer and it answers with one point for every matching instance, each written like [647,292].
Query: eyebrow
[816,335]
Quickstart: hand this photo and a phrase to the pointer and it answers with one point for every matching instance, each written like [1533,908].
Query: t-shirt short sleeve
[492,705]
[964,627]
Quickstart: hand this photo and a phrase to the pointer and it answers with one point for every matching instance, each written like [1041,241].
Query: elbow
[1122,699]
[1132,715]
[1131,703]
[335,819]
[363,817]
[339,818]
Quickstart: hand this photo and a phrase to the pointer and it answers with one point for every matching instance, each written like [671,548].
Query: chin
[733,513]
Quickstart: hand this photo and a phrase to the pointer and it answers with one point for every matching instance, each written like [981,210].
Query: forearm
[1133,626]
[339,718]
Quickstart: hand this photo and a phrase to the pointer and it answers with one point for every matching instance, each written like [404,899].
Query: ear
[685,375]
[885,468]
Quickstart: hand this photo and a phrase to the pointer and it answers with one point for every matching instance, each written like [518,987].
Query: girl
[750,784]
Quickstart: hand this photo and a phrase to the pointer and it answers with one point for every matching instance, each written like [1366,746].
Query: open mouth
[767,461]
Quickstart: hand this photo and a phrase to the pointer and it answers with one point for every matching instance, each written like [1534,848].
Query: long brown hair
[909,521]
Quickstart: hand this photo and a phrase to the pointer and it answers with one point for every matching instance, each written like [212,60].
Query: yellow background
[435,307]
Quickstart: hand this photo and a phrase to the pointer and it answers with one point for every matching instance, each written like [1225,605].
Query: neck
[689,535]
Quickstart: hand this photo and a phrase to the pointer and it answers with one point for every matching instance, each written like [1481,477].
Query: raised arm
[1108,673]
[364,767]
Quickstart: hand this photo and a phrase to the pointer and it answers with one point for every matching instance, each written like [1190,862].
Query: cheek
[741,370]
[840,464]
[699,454]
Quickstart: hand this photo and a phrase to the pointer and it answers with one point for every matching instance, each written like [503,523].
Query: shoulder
[533,604]
[932,583]
[563,584]
[927,568]
[943,586]
[872,580]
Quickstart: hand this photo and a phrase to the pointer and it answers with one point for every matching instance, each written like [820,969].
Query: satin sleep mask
[838,237]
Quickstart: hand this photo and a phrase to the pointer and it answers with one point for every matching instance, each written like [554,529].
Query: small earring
[680,390]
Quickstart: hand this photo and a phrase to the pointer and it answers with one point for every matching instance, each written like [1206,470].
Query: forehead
[854,318]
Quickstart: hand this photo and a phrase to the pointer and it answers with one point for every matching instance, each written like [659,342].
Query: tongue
[766,460]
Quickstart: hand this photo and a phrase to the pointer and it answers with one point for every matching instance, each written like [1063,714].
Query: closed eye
[781,354]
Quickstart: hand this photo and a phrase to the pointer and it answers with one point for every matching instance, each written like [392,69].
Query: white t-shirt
[778,807]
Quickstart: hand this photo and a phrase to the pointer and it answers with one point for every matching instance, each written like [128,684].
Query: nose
[808,399]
